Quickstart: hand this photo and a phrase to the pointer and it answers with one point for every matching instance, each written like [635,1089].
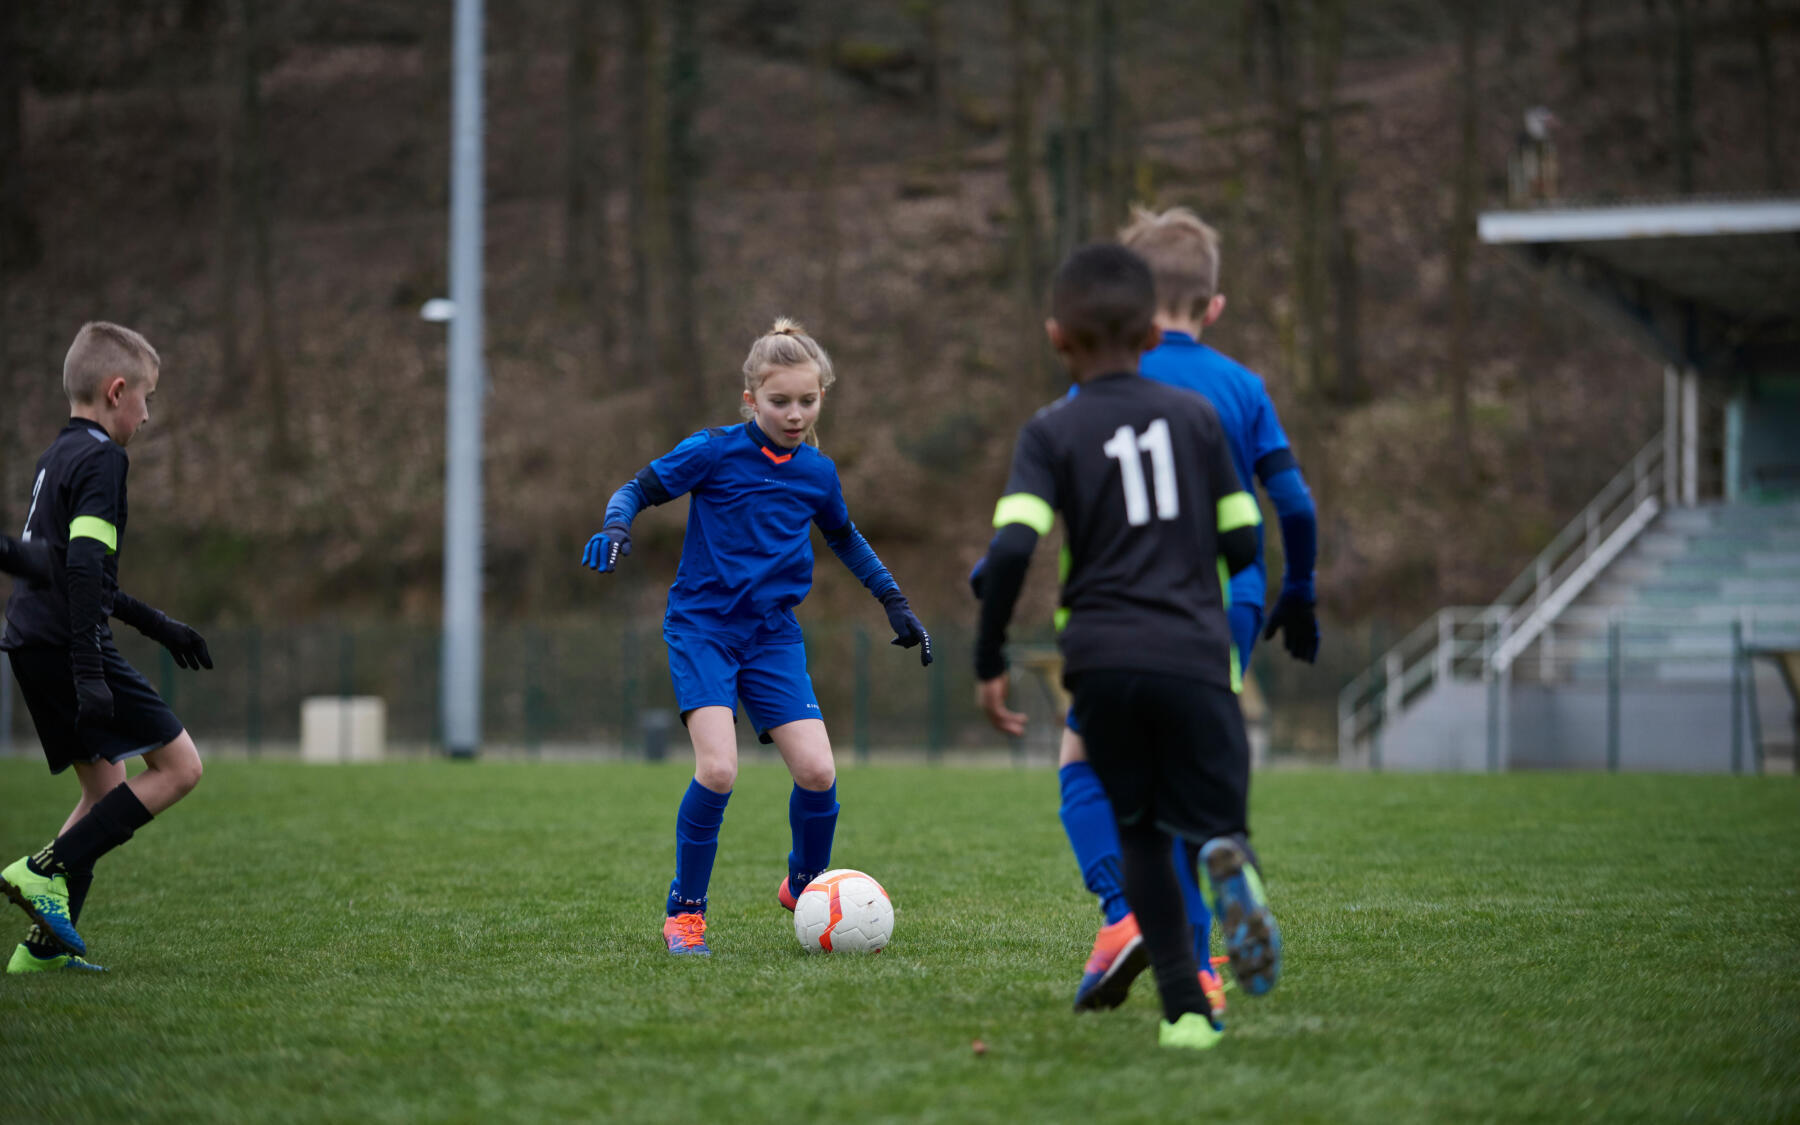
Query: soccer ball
[843,911]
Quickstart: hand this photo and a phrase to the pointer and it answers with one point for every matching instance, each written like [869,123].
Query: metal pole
[1614,685]
[1690,437]
[461,695]
[1671,437]
[1737,695]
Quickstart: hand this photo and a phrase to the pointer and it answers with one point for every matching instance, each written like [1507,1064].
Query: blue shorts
[771,679]
[1246,621]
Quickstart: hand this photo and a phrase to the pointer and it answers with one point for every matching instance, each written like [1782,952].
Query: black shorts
[1170,751]
[141,721]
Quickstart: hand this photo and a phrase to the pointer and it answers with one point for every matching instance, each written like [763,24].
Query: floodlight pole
[460,697]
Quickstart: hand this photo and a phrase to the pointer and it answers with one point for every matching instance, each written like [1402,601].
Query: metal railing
[1465,642]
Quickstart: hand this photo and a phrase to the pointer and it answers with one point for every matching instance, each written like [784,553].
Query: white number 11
[1124,448]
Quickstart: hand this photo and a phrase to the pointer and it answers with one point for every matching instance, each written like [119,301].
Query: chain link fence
[601,690]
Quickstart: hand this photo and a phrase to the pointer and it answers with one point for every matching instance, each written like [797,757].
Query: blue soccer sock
[696,845]
[812,815]
[1199,915]
[1087,817]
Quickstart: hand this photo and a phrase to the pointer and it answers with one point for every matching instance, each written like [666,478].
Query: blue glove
[1293,617]
[908,629]
[604,550]
[978,577]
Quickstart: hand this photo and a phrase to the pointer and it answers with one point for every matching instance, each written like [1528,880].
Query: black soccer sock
[79,882]
[1155,898]
[108,824]
[39,945]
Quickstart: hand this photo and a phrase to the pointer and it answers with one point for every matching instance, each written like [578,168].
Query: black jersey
[1142,475]
[78,491]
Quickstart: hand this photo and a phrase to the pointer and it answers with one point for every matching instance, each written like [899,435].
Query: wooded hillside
[261,189]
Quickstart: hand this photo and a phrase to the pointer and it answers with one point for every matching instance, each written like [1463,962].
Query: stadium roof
[1711,284]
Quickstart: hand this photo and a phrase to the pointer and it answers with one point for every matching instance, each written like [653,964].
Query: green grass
[438,941]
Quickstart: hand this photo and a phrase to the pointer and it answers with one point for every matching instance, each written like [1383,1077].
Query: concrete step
[1730,517]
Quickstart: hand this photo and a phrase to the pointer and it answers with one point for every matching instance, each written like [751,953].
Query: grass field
[439,941]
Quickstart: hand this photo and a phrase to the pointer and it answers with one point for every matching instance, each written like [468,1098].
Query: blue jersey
[1246,412]
[747,560]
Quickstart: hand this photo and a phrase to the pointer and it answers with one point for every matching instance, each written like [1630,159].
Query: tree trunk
[271,362]
[825,170]
[685,170]
[1584,46]
[1286,77]
[226,60]
[1108,153]
[587,239]
[1774,176]
[1338,272]
[939,87]
[1024,256]
[21,246]
[1462,239]
[641,123]
[1684,97]
[1071,193]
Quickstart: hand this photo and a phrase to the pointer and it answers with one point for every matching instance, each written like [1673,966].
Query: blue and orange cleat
[1118,957]
[686,933]
[786,897]
[1214,986]
[1252,939]
[45,899]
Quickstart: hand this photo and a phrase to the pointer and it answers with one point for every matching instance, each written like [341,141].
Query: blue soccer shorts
[1246,622]
[771,679]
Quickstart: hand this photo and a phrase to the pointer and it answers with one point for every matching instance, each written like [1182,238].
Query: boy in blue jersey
[746,562]
[1183,255]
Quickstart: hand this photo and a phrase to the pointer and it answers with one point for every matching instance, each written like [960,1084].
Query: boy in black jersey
[1155,521]
[92,710]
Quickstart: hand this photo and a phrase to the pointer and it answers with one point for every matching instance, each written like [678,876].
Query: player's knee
[817,776]
[717,776]
[185,773]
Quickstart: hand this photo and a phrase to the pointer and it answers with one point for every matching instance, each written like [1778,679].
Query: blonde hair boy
[1183,254]
[102,352]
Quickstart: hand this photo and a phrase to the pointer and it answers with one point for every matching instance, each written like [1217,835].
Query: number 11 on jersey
[1124,447]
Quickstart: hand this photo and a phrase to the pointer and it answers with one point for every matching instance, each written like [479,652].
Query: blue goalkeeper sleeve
[1299,520]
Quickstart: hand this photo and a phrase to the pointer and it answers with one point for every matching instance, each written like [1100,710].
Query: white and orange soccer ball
[843,911]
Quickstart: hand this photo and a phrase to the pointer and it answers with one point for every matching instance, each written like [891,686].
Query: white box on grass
[339,728]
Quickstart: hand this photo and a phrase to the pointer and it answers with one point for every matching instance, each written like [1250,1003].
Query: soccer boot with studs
[25,961]
[45,899]
[1192,1032]
[1118,957]
[1252,939]
[686,934]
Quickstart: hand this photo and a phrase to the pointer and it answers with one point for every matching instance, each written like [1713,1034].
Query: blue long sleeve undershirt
[1299,529]
[860,559]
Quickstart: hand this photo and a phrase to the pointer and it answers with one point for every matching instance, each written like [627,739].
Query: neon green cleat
[45,899]
[25,961]
[1192,1031]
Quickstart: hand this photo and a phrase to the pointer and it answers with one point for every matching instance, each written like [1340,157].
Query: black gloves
[1294,619]
[93,699]
[183,641]
[908,629]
